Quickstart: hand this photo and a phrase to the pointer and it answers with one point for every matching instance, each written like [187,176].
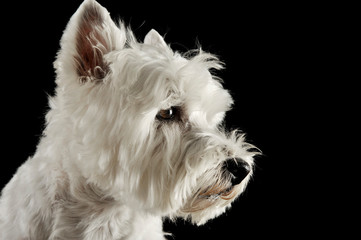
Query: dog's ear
[88,37]
[155,39]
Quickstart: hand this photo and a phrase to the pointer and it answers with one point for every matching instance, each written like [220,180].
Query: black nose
[238,168]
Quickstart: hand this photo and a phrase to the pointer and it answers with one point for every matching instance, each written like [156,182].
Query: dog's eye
[167,114]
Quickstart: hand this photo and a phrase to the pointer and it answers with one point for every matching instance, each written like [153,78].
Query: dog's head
[145,122]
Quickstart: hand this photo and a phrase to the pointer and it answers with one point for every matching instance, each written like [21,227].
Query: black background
[278,68]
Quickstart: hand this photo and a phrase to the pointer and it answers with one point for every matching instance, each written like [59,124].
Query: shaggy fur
[133,135]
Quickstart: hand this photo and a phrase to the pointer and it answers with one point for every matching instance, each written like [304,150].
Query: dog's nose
[238,168]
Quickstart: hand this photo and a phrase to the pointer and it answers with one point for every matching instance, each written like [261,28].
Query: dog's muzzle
[238,169]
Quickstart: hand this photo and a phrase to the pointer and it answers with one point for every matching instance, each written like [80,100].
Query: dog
[134,135]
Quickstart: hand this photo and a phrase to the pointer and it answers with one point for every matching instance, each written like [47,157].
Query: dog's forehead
[162,79]
[195,88]
[207,96]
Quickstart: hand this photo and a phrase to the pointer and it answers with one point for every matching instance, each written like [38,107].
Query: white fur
[106,167]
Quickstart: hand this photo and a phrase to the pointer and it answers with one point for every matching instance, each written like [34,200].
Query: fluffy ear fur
[155,39]
[88,37]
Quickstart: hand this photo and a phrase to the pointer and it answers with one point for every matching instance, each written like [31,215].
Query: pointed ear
[88,37]
[155,39]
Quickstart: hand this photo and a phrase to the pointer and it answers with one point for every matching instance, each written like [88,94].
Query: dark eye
[167,114]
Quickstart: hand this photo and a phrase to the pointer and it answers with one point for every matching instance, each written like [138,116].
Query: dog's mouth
[223,188]
[210,196]
[214,193]
[220,193]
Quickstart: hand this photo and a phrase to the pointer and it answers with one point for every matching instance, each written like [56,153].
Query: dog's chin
[210,202]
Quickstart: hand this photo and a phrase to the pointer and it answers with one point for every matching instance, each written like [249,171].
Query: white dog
[134,134]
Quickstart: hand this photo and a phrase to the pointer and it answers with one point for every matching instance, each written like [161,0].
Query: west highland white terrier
[133,135]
